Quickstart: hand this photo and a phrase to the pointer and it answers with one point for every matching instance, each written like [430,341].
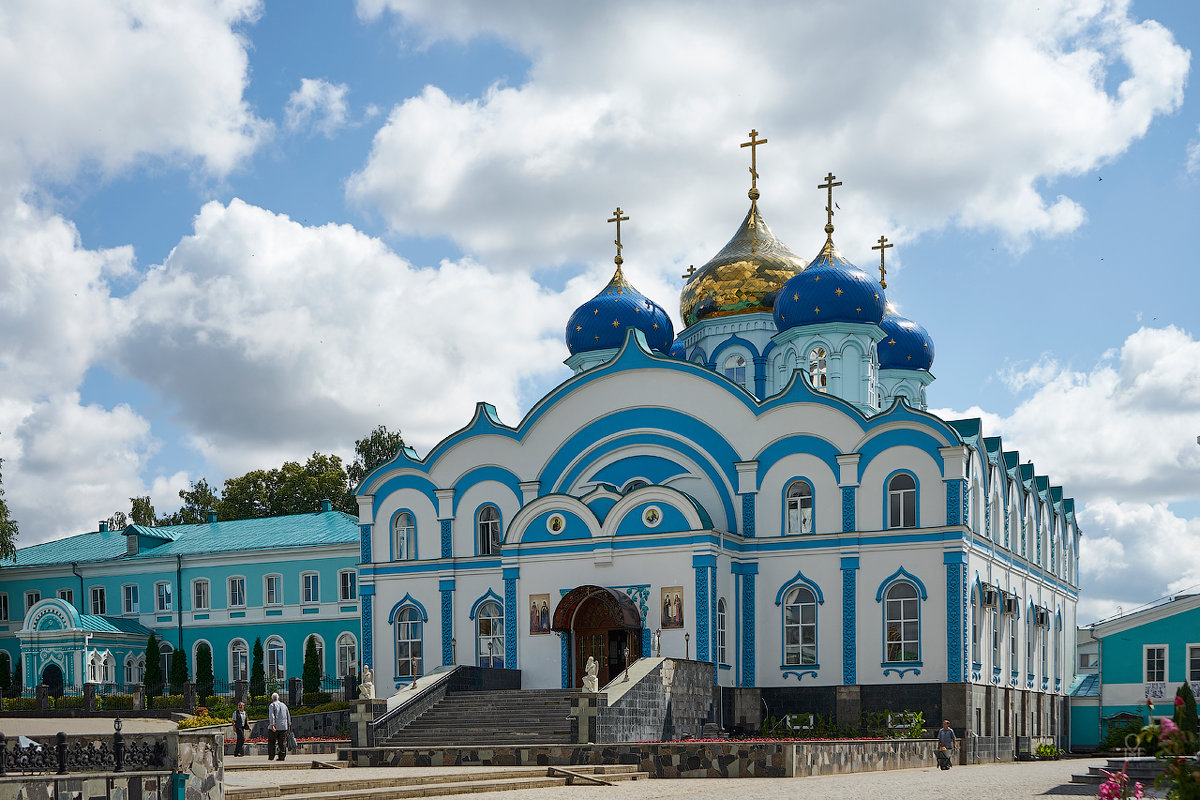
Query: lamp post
[686,646]
[626,652]
[658,643]
[491,647]
[453,651]
[118,746]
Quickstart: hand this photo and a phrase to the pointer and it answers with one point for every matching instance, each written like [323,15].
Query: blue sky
[232,233]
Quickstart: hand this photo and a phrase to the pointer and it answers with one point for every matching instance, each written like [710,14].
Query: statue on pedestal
[366,689]
[591,682]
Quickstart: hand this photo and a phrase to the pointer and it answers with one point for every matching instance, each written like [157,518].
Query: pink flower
[1168,726]
[1178,701]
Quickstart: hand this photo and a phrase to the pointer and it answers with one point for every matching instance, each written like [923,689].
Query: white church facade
[765,492]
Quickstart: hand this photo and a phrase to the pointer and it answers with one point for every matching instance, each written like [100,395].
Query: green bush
[1045,750]
[1115,738]
[167,701]
[67,702]
[311,699]
[203,721]
[118,702]
[20,704]
[332,705]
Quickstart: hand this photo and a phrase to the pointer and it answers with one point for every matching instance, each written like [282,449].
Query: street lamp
[686,643]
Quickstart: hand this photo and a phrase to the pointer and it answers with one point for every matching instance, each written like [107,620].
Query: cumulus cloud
[273,338]
[1193,155]
[1120,437]
[623,108]
[317,104]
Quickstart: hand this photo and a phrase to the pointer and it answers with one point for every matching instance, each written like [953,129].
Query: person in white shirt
[278,722]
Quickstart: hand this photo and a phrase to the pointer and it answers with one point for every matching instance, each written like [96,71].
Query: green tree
[6,678]
[1185,713]
[204,670]
[142,510]
[179,671]
[258,677]
[376,448]
[197,502]
[154,677]
[118,521]
[8,526]
[293,488]
[18,679]
[249,497]
[311,677]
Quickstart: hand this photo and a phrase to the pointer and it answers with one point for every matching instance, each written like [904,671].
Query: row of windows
[275,657]
[1155,663]
[1004,630]
[901,499]
[901,625]
[487,534]
[310,592]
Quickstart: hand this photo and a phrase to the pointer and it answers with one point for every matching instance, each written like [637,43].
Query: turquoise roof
[1085,686]
[99,624]
[293,530]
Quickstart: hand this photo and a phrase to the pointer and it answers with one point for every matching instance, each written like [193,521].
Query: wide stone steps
[430,785]
[510,716]
[1142,769]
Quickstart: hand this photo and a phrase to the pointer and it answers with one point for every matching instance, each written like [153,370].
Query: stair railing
[430,691]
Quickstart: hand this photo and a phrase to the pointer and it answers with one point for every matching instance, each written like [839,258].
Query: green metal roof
[293,530]
[99,624]
[967,428]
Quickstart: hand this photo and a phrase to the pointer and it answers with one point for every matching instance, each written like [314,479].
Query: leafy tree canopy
[8,526]
[293,488]
[374,449]
[142,512]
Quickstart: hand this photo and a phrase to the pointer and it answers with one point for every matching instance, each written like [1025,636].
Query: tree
[1185,713]
[197,502]
[154,677]
[18,679]
[204,670]
[311,677]
[5,673]
[376,448]
[8,526]
[118,521]
[293,488]
[258,677]
[179,671]
[142,511]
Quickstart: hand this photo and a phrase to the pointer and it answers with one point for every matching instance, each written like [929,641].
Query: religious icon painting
[672,607]
[539,613]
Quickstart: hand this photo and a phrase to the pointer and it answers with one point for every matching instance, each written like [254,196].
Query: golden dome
[743,278]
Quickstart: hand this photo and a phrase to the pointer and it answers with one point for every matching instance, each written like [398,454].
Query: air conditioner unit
[1012,605]
[990,597]
[1043,617]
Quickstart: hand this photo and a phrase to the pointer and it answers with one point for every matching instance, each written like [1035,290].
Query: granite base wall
[672,701]
[111,785]
[326,723]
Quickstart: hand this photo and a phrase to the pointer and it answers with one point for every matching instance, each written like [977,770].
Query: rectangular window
[67,596]
[3,608]
[237,592]
[32,599]
[1156,663]
[1193,662]
[995,638]
[162,596]
[1086,660]
[200,596]
[310,585]
[99,606]
[272,593]
[348,586]
[129,599]
[721,632]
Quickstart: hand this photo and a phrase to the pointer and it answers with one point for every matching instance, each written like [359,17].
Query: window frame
[4,607]
[805,652]
[37,598]
[890,604]
[66,595]
[1147,649]
[196,604]
[279,673]
[310,588]
[404,537]
[722,619]
[352,595]
[131,599]
[788,498]
[408,620]
[159,600]
[234,673]
[98,600]
[240,580]
[495,535]
[976,638]
[1191,661]
[496,635]
[901,520]
[346,663]
[734,368]
[272,590]
[818,366]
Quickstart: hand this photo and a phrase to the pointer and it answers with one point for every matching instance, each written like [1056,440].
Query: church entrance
[52,679]
[601,623]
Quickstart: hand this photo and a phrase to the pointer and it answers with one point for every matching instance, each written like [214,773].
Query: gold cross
[753,145]
[617,218]
[883,245]
[829,184]
[690,272]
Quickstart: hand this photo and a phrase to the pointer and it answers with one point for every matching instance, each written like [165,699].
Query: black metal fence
[114,754]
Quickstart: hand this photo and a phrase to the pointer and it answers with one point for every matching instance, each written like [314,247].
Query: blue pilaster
[701,565]
[849,620]
[646,642]
[564,639]
[848,509]
[760,377]
[447,538]
[366,602]
[446,587]
[747,573]
[747,515]
[511,627]
[364,543]
[956,615]
[954,502]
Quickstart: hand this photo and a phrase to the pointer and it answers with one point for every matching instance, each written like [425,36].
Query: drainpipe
[78,574]
[179,597]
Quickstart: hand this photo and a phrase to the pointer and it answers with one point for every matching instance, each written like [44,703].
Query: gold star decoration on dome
[656,326]
[859,309]
[838,291]
[891,341]
[882,246]
[578,328]
[616,324]
[817,310]
[796,296]
[909,358]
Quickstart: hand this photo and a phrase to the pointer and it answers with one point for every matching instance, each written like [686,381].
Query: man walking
[947,744]
[278,722]
[241,724]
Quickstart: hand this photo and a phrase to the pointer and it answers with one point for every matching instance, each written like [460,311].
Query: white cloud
[1193,155]
[318,104]
[624,108]
[273,338]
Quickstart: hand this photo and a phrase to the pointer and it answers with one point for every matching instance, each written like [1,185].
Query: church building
[765,492]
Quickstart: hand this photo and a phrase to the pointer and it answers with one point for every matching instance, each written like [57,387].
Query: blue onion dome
[831,289]
[678,350]
[906,344]
[744,277]
[600,323]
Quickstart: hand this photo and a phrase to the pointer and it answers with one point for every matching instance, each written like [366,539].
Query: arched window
[800,627]
[902,501]
[134,670]
[489,626]
[636,483]
[347,655]
[239,660]
[408,644]
[488,529]
[799,507]
[320,646]
[404,537]
[818,368]
[164,656]
[976,612]
[902,623]
[721,653]
[276,670]
[94,668]
[735,369]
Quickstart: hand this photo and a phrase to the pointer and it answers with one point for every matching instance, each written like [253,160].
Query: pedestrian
[947,743]
[278,722]
[241,724]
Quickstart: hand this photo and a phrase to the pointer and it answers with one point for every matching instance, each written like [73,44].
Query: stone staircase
[506,716]
[345,785]
[1141,768]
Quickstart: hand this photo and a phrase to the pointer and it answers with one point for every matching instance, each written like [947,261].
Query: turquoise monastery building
[764,490]
[81,609]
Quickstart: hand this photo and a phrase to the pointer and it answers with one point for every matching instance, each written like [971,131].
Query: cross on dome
[617,218]
[881,247]
[828,185]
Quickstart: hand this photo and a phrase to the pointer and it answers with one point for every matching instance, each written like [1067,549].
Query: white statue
[591,683]
[366,689]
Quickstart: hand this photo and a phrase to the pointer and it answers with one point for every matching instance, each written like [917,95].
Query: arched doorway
[601,623]
[52,679]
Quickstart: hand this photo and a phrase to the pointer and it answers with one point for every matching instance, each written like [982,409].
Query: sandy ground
[48,726]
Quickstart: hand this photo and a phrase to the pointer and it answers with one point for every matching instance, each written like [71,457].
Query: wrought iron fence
[112,754]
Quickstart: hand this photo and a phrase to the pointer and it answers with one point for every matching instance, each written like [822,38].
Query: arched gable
[799,579]
[408,601]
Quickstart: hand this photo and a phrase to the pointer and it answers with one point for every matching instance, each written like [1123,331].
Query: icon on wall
[672,607]
[539,613]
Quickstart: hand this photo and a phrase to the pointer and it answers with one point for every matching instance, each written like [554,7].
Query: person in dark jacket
[241,724]
[947,744]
